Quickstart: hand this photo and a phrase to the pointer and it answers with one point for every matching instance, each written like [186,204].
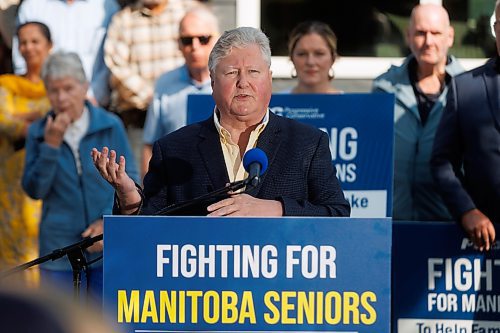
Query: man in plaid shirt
[141,45]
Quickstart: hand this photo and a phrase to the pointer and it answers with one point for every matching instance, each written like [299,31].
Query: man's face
[496,25]
[196,40]
[430,35]
[67,95]
[242,85]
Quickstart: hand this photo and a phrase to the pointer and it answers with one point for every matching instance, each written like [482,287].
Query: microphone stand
[75,252]
[76,257]
[235,186]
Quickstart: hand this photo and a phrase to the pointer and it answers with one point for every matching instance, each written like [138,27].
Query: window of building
[376,28]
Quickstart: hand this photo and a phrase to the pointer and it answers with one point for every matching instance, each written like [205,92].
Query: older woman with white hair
[59,169]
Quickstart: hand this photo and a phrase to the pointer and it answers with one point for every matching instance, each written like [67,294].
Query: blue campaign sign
[440,283]
[360,127]
[185,274]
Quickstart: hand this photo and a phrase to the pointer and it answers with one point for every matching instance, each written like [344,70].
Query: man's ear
[451,36]
[407,36]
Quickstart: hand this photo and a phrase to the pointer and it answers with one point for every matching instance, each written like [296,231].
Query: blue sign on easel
[361,132]
[200,274]
[441,283]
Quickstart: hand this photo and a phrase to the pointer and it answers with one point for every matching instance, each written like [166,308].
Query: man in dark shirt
[420,88]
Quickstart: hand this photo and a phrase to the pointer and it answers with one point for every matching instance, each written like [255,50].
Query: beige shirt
[231,150]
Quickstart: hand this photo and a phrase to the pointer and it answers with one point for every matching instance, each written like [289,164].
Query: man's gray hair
[63,64]
[239,38]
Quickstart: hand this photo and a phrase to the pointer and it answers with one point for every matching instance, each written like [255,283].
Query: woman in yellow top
[22,100]
[312,47]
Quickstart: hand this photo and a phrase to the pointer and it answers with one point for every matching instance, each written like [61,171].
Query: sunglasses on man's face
[188,40]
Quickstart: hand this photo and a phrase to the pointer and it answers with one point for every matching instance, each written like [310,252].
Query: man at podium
[199,160]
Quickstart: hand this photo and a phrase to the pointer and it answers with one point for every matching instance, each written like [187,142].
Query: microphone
[255,163]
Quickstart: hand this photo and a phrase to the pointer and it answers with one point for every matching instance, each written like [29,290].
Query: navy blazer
[189,163]
[466,154]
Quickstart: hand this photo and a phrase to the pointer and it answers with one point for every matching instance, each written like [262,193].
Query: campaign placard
[201,274]
[441,284]
[360,127]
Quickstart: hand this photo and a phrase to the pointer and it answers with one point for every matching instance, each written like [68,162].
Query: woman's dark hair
[317,27]
[44,29]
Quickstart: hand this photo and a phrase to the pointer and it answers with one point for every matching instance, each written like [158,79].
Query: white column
[248,13]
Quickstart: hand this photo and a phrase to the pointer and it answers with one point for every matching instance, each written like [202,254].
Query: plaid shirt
[140,47]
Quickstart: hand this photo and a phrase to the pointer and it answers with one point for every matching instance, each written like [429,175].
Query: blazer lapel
[491,79]
[269,141]
[212,156]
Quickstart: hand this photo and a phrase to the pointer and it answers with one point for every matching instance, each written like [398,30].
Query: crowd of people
[93,121]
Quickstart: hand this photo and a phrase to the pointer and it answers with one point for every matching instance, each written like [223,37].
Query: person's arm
[127,194]
[95,229]
[135,89]
[446,168]
[42,157]
[325,196]
[13,126]
[479,228]
[245,205]
[447,158]
[119,142]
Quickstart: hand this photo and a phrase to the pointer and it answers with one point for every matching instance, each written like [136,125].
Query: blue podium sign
[360,127]
[187,274]
[440,283]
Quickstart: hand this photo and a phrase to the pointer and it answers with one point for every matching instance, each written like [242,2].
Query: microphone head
[255,155]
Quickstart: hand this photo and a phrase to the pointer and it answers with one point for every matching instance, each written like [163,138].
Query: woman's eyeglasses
[188,40]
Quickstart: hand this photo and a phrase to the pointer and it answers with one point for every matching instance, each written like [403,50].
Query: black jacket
[189,163]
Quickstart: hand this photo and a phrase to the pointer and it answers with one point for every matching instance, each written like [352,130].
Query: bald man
[420,86]
[198,32]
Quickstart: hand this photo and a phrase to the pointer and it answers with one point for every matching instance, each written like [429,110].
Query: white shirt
[78,27]
[74,134]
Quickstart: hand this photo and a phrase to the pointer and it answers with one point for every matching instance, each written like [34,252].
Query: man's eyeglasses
[188,40]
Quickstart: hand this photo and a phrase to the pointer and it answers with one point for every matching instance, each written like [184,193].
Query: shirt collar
[81,124]
[223,133]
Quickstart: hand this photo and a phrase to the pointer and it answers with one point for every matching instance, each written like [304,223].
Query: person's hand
[114,173]
[479,228]
[55,128]
[93,230]
[245,205]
